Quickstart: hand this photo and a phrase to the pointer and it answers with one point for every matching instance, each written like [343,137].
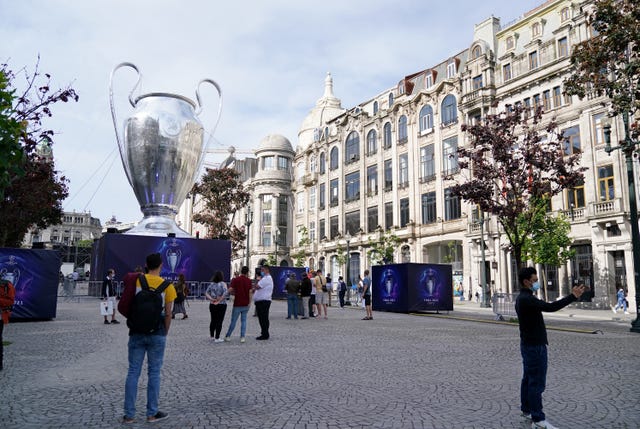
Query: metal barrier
[504,305]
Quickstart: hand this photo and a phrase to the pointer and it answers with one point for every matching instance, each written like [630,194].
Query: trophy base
[158,226]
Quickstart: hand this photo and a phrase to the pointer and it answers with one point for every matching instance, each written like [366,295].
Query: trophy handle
[215,125]
[119,137]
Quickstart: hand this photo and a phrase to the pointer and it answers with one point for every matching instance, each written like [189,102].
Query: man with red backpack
[7,298]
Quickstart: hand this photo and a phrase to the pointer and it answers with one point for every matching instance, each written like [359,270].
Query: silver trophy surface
[162,147]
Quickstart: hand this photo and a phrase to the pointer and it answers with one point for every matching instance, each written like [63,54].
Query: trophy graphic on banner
[173,257]
[431,282]
[162,149]
[11,272]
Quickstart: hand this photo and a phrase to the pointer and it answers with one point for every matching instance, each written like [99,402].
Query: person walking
[150,344]
[312,297]
[533,343]
[305,294]
[262,300]
[622,302]
[7,299]
[322,294]
[342,291]
[109,295]
[293,287]
[366,294]
[329,283]
[179,304]
[216,293]
[240,288]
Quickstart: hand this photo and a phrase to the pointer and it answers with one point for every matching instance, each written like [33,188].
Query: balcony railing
[604,208]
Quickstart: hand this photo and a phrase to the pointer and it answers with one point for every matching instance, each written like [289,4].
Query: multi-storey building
[72,228]
[389,164]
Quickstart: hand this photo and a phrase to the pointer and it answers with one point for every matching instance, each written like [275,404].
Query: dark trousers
[534,376]
[262,309]
[341,297]
[217,316]
[1,346]
[312,301]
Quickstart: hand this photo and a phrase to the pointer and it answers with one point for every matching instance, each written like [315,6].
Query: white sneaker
[218,340]
[227,338]
[614,310]
[626,312]
[526,416]
[542,424]
[242,340]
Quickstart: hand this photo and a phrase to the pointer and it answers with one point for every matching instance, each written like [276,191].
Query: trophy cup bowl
[162,149]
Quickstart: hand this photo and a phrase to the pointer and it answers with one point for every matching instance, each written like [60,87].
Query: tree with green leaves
[223,196]
[381,251]
[31,190]
[299,257]
[514,158]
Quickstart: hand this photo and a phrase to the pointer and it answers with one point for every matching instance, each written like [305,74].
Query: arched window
[449,110]
[312,263]
[375,107]
[510,43]
[372,142]
[564,14]
[402,130]
[333,159]
[390,99]
[536,29]
[322,163]
[405,254]
[312,164]
[352,152]
[387,135]
[426,118]
[476,52]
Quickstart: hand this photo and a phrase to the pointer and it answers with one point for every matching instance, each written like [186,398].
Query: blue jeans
[621,304]
[292,305]
[242,312]
[534,377]
[153,346]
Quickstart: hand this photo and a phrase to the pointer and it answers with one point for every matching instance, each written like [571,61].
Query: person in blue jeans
[151,345]
[622,303]
[240,288]
[533,343]
[293,288]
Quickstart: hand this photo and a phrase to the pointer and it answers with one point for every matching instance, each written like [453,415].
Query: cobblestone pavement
[396,371]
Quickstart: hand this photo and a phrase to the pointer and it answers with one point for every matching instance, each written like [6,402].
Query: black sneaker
[115,322]
[106,322]
[127,420]
[159,416]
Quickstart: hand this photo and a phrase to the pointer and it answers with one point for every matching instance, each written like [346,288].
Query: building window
[572,140]
[476,52]
[388,215]
[375,107]
[427,164]
[598,131]
[268,162]
[403,170]
[563,47]
[266,236]
[557,97]
[372,142]
[312,164]
[300,199]
[506,72]
[312,231]
[428,207]
[352,187]
[536,101]
[388,175]
[527,107]
[449,110]
[536,29]
[564,14]
[352,147]
[321,229]
[477,82]
[428,80]
[322,163]
[452,209]
[333,159]
[386,136]
[605,183]
[322,196]
[575,197]
[426,118]
[372,179]
[283,205]
[333,192]
[546,100]
[533,60]
[352,222]
[510,43]
[372,218]
[451,69]
[402,130]
[333,227]
[312,198]
[390,99]
[283,163]
[300,171]
[267,200]
[450,155]
[404,212]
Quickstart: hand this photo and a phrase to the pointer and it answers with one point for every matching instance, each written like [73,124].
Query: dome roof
[326,108]
[274,142]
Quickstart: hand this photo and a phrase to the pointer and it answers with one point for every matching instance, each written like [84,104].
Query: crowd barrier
[504,305]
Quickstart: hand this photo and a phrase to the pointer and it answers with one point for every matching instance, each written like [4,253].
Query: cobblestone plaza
[396,371]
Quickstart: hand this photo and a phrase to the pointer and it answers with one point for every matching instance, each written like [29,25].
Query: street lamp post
[348,238]
[248,220]
[628,146]
[483,268]
[276,236]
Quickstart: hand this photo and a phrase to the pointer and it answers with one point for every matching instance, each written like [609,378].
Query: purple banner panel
[197,259]
[411,287]
[34,273]
[280,276]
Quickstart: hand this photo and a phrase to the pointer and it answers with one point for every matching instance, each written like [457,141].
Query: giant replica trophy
[162,150]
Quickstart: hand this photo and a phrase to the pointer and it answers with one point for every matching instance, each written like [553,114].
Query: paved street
[396,371]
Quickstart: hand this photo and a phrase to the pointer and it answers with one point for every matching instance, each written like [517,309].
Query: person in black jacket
[109,294]
[305,293]
[533,343]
